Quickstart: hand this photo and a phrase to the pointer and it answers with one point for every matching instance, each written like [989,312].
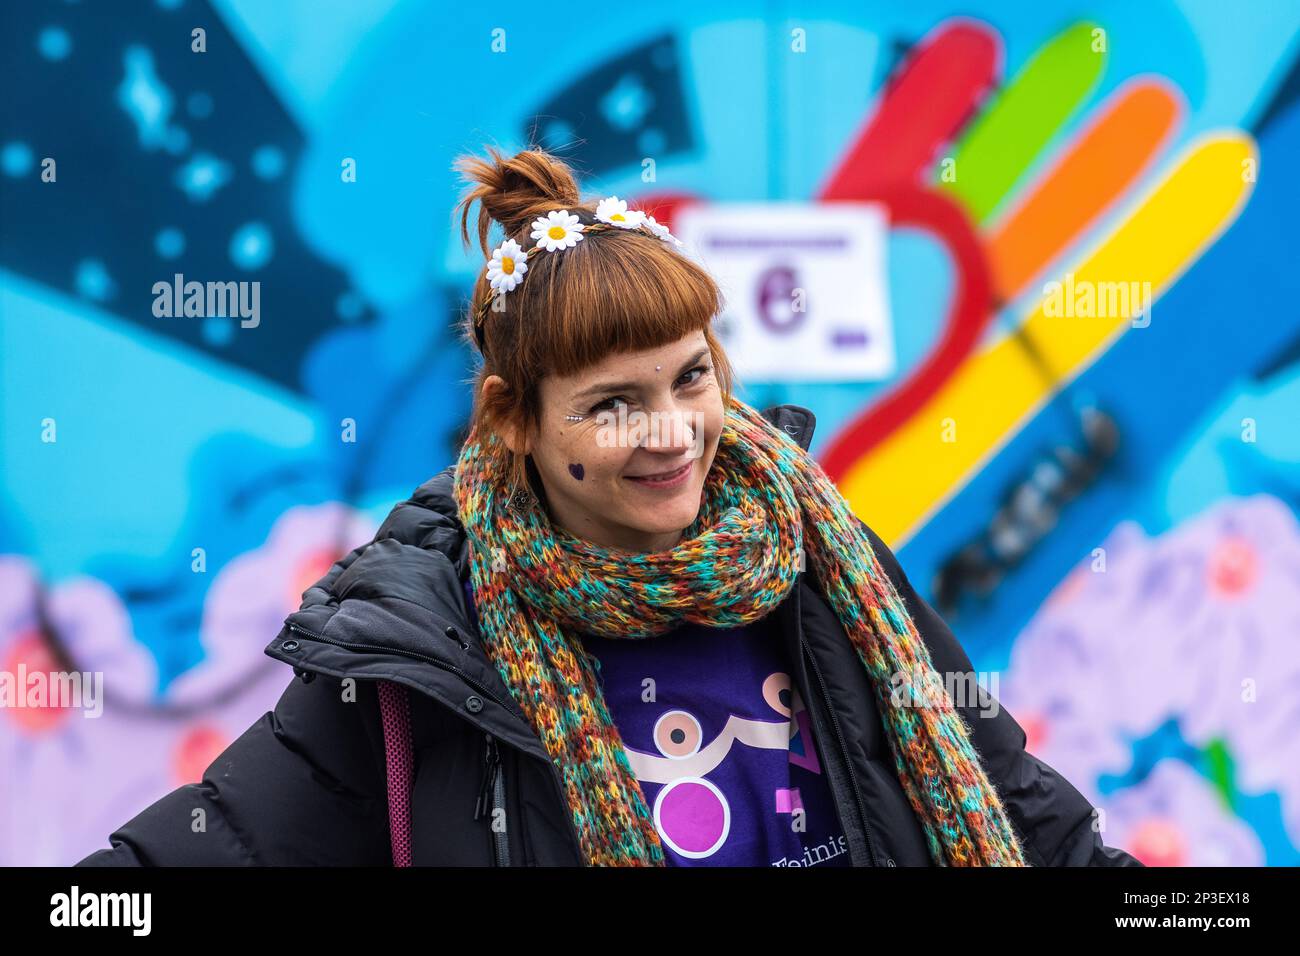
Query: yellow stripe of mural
[912,472]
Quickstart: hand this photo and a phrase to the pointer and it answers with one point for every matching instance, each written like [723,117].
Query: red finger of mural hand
[922,108]
[969,314]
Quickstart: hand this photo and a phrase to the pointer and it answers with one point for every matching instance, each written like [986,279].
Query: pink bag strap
[395,713]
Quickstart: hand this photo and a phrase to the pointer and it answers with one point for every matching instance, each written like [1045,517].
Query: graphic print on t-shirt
[722,746]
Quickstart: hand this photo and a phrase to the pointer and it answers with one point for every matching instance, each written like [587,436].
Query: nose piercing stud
[658,367]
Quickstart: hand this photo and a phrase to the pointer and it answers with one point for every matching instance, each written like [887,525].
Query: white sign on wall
[805,287]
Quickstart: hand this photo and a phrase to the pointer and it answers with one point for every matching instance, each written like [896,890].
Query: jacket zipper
[555,772]
[493,784]
[844,750]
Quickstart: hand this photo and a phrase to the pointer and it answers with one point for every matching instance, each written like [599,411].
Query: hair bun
[514,191]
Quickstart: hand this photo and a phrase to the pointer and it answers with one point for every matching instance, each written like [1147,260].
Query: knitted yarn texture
[765,501]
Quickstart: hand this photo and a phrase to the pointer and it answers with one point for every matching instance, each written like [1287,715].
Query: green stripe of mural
[1005,139]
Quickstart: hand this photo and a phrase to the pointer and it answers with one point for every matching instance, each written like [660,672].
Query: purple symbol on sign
[777,287]
[849,338]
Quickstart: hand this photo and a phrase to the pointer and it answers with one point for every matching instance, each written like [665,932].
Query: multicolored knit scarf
[537,589]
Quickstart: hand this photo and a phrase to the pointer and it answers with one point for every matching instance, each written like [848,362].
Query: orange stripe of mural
[1096,170]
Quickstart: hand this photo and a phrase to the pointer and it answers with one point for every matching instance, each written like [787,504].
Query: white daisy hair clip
[506,268]
[662,232]
[614,211]
[558,230]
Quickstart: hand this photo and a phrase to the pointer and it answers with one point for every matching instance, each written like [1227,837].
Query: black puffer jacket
[310,783]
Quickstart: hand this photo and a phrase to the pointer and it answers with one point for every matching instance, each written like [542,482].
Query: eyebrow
[629,386]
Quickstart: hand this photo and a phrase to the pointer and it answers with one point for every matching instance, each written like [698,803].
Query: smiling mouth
[665,479]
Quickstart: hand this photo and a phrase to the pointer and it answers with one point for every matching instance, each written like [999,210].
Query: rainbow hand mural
[887,461]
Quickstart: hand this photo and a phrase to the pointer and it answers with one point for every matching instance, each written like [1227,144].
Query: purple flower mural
[1199,626]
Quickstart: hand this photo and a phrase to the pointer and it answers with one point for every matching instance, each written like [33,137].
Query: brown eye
[677,734]
[605,403]
[701,369]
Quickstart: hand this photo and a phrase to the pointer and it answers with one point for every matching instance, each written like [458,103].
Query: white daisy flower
[506,268]
[615,212]
[662,232]
[558,229]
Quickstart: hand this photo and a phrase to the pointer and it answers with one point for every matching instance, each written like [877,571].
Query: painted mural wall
[1101,499]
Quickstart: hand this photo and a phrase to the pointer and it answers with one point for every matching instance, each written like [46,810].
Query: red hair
[617,290]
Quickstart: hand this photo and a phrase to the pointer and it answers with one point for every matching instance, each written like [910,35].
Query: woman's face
[623,447]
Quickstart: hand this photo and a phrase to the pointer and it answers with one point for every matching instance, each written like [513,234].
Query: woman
[635,624]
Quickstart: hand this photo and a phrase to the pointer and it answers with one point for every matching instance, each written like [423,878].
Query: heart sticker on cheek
[576,471]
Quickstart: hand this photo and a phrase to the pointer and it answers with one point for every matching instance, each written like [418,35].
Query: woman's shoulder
[425,520]
[431,505]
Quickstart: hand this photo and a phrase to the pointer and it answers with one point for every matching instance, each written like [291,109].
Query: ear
[520,442]
[515,437]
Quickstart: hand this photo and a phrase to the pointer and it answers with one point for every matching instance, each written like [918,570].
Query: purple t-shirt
[706,719]
[722,746]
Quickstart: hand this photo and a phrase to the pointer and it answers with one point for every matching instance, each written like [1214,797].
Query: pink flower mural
[71,776]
